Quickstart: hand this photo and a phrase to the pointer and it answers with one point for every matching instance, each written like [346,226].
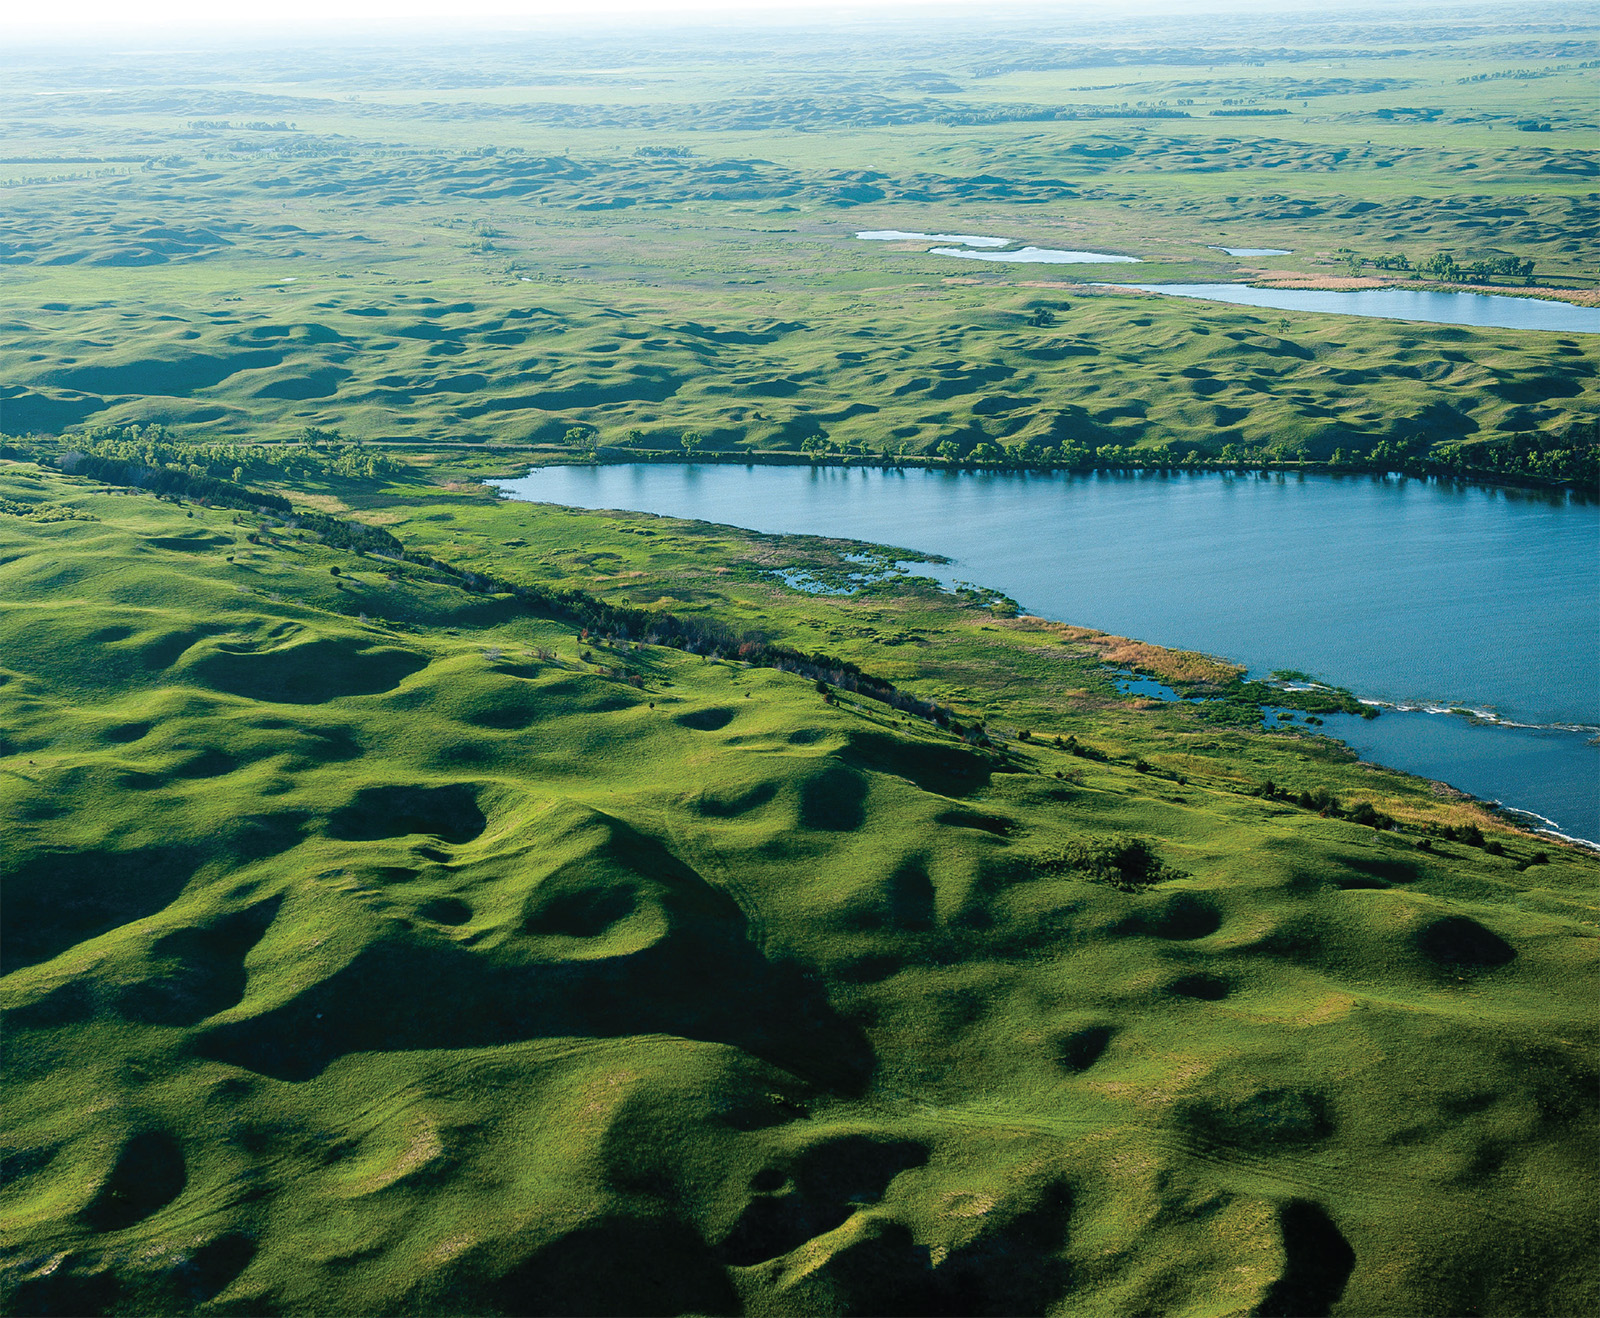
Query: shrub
[1125,862]
[1363,813]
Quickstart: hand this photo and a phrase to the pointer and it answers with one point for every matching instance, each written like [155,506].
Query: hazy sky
[96,18]
[167,15]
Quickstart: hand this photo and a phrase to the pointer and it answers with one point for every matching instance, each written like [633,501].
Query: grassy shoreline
[749,457]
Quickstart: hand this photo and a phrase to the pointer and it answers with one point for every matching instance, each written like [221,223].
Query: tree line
[138,461]
[1444,267]
[1568,457]
[316,452]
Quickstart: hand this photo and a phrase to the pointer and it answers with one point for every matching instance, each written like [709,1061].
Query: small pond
[1486,310]
[900,236]
[1041,256]
[1146,688]
[1252,251]
[968,241]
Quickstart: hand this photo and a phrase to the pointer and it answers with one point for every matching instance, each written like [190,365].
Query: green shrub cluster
[1571,456]
[153,446]
[1125,862]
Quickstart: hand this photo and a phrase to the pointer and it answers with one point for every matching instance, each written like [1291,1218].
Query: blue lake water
[1135,684]
[1409,592]
[1252,251]
[1551,772]
[1026,255]
[1486,310]
[1040,256]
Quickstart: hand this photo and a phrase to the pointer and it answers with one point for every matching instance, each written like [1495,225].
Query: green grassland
[928,365]
[384,935]
[368,949]
[468,245]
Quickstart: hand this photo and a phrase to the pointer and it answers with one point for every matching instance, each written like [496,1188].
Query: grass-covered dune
[426,967]
[652,236]
[924,365]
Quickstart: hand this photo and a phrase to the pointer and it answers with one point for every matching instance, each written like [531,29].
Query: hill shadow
[55,900]
[309,673]
[624,940]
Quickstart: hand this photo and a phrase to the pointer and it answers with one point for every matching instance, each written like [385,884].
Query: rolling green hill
[927,366]
[419,904]
[499,242]
[422,965]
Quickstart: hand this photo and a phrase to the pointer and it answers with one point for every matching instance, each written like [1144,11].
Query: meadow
[379,944]
[654,242]
[417,902]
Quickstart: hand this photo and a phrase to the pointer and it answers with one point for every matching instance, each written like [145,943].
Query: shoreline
[1519,817]
[1515,815]
[1578,297]
[1256,277]
[608,456]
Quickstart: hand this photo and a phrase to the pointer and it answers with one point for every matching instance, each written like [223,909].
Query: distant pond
[1486,310]
[1026,255]
[901,236]
[1410,592]
[1041,256]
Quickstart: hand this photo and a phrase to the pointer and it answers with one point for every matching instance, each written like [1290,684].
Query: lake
[1040,255]
[1252,251]
[1026,255]
[1410,592]
[1486,310]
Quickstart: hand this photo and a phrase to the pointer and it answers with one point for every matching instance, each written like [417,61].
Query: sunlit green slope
[426,968]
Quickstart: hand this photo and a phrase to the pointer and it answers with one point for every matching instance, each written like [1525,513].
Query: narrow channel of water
[1411,592]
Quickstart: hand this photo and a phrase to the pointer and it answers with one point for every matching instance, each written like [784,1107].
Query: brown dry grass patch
[1156,660]
[323,503]
[1169,665]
